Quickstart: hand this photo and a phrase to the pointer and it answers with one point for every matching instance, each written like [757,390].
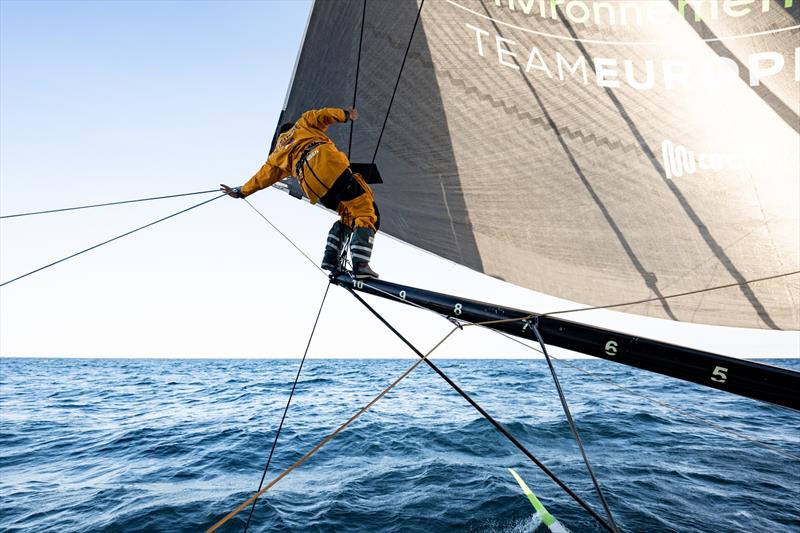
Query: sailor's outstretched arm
[322,118]
[266,176]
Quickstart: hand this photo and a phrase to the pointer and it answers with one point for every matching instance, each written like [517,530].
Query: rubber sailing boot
[337,238]
[361,251]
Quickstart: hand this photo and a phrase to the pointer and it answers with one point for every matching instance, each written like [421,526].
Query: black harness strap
[303,163]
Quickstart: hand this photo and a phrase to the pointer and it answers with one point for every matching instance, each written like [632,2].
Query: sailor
[303,150]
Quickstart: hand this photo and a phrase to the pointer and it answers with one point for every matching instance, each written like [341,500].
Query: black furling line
[107,203]
[110,240]
[488,417]
[286,409]
[358,67]
[394,92]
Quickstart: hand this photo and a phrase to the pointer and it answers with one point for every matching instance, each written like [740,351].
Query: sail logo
[680,161]
[677,160]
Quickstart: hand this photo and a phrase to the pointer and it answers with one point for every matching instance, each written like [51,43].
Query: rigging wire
[330,437]
[574,429]
[500,428]
[286,409]
[358,67]
[110,240]
[488,417]
[108,203]
[566,362]
[677,295]
[653,401]
[285,237]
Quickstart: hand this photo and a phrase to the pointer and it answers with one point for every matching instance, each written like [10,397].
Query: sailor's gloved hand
[234,192]
[352,113]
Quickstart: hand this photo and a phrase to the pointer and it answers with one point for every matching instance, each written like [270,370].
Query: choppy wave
[173,445]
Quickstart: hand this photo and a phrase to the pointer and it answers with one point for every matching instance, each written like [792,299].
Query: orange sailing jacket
[326,162]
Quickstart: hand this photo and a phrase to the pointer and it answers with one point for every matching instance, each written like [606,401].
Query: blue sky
[105,101]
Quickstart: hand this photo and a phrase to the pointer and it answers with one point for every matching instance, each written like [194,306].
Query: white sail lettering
[554,8]
[638,73]
[758,69]
[675,71]
[561,63]
[585,15]
[527,7]
[502,51]
[721,71]
[730,7]
[637,13]
[659,13]
[597,6]
[797,64]
[650,78]
[535,54]
[478,33]
[605,69]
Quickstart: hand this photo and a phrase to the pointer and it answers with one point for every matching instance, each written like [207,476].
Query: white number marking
[611,348]
[359,284]
[402,295]
[719,375]
[457,309]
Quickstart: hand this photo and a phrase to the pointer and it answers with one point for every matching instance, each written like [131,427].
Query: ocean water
[174,445]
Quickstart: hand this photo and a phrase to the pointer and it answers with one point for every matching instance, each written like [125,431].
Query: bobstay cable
[286,409]
[110,240]
[107,204]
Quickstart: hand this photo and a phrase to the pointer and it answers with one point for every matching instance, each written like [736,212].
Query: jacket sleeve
[322,118]
[266,176]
